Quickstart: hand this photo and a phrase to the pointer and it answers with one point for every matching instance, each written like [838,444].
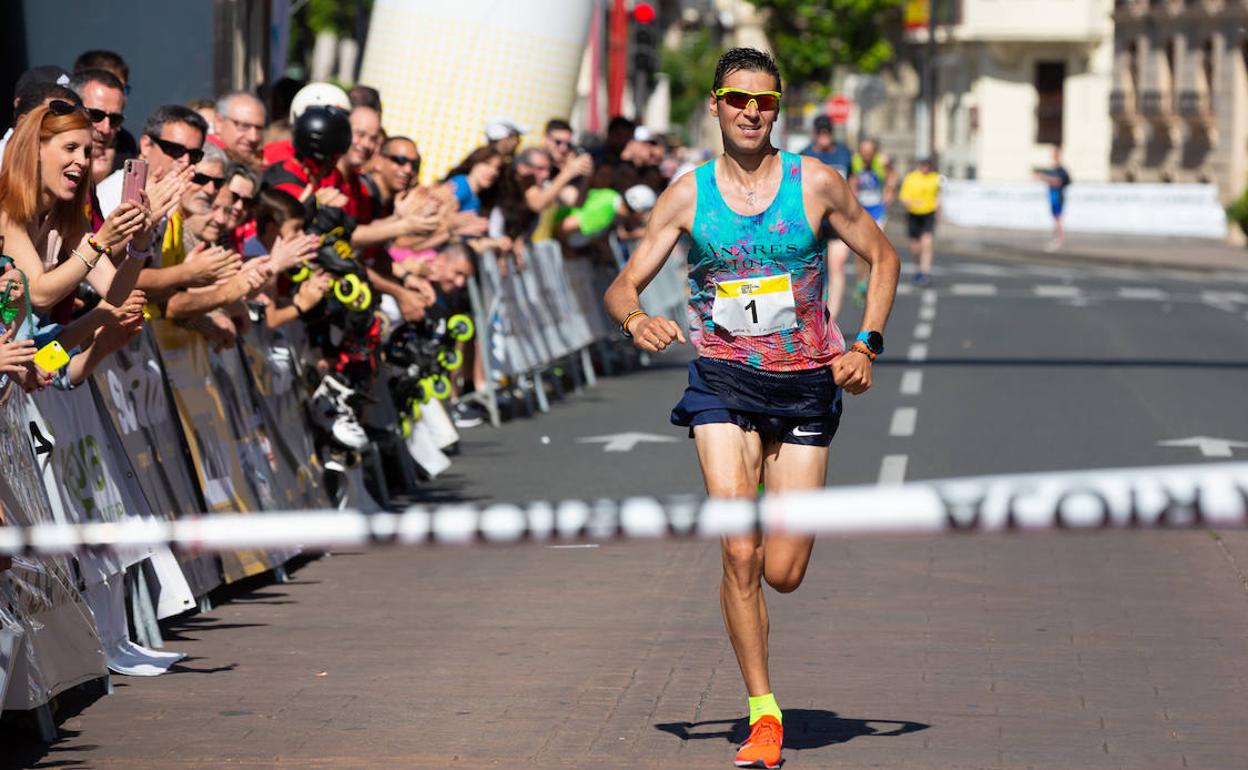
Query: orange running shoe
[762,748]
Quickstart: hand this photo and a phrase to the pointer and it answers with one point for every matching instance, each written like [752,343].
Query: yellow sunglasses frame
[719,94]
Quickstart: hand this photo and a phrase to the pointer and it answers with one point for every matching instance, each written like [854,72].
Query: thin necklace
[751,194]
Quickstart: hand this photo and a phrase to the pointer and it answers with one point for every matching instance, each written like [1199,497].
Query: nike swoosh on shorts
[803,434]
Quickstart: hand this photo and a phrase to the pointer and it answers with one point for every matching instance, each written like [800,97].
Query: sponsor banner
[48,641]
[211,427]
[272,373]
[131,389]
[1129,208]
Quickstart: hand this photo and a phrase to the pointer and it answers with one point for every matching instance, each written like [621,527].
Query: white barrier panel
[1177,210]
[1167,497]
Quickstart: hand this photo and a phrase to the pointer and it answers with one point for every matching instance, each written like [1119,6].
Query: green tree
[690,68]
[812,37]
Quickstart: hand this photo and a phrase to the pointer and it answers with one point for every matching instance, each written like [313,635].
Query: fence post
[486,395]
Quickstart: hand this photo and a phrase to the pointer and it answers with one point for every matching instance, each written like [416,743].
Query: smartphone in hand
[134,179]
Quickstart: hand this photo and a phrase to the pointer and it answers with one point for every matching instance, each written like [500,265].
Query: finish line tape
[1167,497]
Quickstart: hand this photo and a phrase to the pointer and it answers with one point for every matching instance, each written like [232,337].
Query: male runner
[874,180]
[827,149]
[764,395]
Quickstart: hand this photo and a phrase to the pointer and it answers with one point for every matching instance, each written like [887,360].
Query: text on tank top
[757,282]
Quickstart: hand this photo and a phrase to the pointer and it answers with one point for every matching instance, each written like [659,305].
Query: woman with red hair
[45,208]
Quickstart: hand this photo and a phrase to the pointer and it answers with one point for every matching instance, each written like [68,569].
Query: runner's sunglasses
[765,101]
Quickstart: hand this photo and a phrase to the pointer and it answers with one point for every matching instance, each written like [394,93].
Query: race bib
[753,307]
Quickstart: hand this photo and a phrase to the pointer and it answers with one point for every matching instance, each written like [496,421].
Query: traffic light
[645,40]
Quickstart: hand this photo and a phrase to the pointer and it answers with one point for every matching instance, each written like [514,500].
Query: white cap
[640,198]
[501,128]
[643,134]
[318,95]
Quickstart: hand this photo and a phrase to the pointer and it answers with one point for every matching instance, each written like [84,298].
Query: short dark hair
[527,155]
[392,139]
[557,124]
[101,59]
[748,59]
[35,94]
[174,113]
[619,123]
[276,207]
[81,78]
[364,96]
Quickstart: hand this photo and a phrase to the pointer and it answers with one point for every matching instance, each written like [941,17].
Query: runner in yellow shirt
[920,194]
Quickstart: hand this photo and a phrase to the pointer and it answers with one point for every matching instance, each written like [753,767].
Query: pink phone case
[134,179]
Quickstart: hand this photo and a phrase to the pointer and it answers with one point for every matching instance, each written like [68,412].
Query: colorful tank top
[758,282]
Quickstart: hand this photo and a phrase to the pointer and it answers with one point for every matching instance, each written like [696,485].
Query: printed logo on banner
[140,400]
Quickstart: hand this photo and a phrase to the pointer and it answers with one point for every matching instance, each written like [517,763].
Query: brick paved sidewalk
[1081,651]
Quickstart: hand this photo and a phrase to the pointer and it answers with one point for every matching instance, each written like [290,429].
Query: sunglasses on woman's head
[114,118]
[62,107]
[175,150]
[739,99]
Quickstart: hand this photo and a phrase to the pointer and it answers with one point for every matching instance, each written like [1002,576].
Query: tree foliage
[690,68]
[812,37]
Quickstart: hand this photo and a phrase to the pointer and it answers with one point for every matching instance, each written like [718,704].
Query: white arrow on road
[624,442]
[1208,446]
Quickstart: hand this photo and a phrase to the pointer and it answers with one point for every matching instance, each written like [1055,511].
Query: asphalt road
[1094,650]
[993,368]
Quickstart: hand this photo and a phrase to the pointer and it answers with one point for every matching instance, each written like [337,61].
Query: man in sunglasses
[173,140]
[105,99]
[764,395]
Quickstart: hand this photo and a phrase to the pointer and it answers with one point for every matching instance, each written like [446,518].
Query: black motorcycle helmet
[322,133]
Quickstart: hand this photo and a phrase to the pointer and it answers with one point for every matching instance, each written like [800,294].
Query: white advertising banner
[1174,210]
[445,69]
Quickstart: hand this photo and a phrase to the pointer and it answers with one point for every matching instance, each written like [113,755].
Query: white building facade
[1180,97]
[1016,77]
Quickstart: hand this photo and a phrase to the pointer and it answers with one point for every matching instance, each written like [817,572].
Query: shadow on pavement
[803,729]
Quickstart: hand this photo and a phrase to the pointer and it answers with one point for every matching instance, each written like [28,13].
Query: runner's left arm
[865,238]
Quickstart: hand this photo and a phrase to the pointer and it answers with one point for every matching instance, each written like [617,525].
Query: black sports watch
[873,340]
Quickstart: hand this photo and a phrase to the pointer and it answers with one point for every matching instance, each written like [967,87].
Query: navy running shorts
[801,407]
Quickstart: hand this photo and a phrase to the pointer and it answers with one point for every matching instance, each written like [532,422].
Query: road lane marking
[1141,292]
[928,298]
[917,352]
[1056,292]
[903,422]
[973,290]
[922,331]
[892,470]
[927,313]
[911,382]
[571,547]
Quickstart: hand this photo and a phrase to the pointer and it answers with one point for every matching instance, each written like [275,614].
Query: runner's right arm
[672,215]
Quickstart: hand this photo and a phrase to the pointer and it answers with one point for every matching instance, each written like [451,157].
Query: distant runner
[1058,179]
[874,180]
[920,194]
[764,395]
[827,149]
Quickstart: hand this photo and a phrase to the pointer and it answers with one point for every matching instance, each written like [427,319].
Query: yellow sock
[764,706]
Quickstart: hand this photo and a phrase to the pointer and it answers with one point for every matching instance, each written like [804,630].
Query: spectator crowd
[292,208]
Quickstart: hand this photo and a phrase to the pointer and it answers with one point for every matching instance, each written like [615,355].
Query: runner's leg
[731,460]
[790,468]
[926,252]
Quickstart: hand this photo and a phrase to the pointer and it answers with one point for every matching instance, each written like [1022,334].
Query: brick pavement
[1080,651]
